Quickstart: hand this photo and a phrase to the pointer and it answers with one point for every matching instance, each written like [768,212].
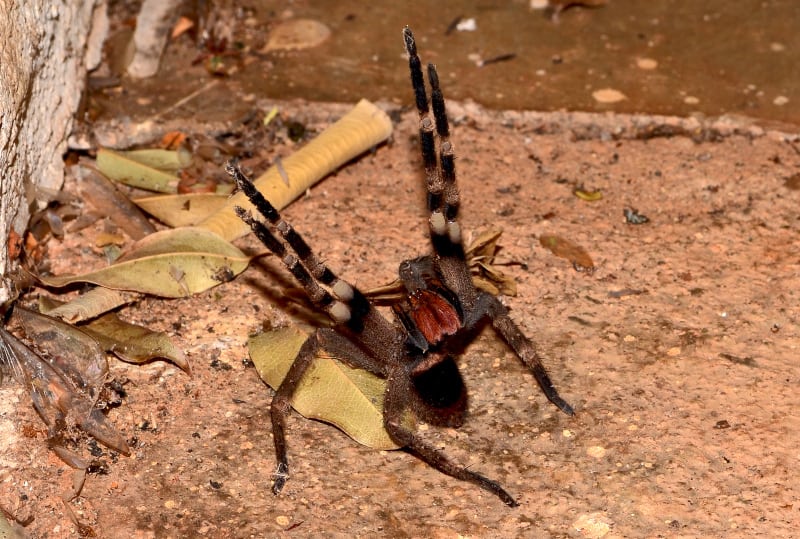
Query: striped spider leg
[448,262]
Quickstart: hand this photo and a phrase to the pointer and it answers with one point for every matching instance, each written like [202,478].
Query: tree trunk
[45,51]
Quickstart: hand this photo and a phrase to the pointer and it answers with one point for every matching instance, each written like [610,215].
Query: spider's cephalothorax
[414,353]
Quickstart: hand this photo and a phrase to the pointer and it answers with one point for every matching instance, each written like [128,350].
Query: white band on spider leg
[454,232]
[438,223]
[339,312]
[343,290]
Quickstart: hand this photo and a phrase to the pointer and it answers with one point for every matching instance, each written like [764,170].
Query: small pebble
[646,63]
[596,451]
[608,95]
[467,25]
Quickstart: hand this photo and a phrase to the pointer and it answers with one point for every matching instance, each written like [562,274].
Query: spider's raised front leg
[346,305]
[440,175]
[449,260]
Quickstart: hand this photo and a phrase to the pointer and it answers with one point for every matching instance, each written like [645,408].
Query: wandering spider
[414,353]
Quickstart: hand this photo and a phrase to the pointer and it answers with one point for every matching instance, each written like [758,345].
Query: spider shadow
[279,288]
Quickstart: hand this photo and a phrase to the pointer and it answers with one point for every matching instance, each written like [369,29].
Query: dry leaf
[93,303]
[588,196]
[160,159]
[73,353]
[172,140]
[54,396]
[564,248]
[183,25]
[351,399]
[182,210]
[104,239]
[480,256]
[133,343]
[110,202]
[297,34]
[170,263]
[124,167]
[484,245]
[485,274]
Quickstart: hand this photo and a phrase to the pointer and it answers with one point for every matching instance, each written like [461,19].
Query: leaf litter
[65,369]
[61,398]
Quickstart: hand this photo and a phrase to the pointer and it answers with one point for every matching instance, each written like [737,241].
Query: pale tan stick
[359,130]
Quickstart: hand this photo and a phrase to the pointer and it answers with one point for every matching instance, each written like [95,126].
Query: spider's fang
[433,315]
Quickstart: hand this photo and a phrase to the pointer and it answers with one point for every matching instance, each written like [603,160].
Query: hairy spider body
[441,310]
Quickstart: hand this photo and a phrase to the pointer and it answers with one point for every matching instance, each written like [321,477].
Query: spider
[415,352]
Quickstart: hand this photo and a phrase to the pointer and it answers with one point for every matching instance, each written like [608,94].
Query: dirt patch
[678,353]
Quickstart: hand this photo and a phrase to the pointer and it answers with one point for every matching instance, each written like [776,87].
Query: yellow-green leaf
[124,168]
[93,303]
[330,391]
[166,160]
[588,196]
[182,210]
[133,343]
[170,263]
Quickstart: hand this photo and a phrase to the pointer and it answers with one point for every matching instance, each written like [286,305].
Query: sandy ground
[679,353]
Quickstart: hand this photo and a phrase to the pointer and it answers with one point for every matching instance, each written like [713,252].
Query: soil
[678,351]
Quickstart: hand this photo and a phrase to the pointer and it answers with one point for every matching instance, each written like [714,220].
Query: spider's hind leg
[396,405]
[336,345]
[490,306]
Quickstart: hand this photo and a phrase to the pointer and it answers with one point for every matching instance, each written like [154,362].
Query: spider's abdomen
[442,394]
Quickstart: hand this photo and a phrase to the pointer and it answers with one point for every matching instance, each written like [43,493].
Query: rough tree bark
[45,51]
